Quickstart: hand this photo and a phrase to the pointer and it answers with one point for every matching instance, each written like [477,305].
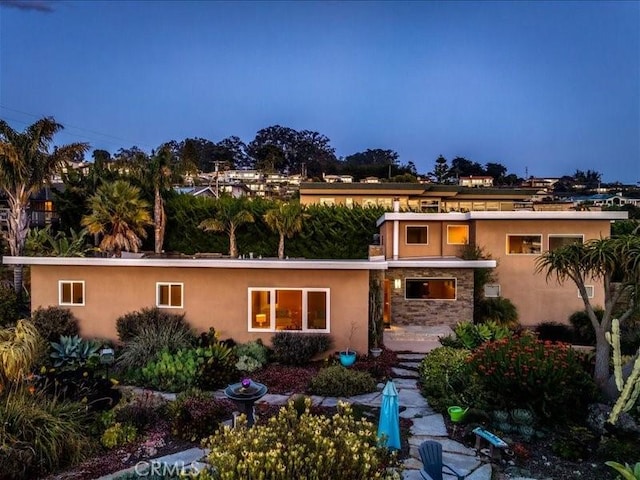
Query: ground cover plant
[338,381]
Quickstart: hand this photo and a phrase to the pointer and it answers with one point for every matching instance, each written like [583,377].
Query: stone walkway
[427,425]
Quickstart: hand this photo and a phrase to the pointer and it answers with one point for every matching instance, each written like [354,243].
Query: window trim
[71,304]
[169,284]
[406,236]
[523,235]
[428,279]
[458,226]
[591,291]
[560,235]
[305,309]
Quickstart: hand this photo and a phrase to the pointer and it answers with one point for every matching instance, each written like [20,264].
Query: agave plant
[73,351]
[627,471]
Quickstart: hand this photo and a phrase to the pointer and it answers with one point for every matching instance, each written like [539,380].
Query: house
[426,281]
[416,197]
[476,181]
[242,299]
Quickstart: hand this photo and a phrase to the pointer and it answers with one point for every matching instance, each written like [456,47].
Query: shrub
[196,414]
[469,335]
[53,322]
[9,311]
[337,381]
[524,372]
[554,332]
[218,368]
[40,434]
[142,410]
[299,348]
[150,340]
[172,372]
[130,325]
[582,328]
[255,350]
[301,446]
[285,379]
[118,434]
[20,347]
[500,310]
[445,379]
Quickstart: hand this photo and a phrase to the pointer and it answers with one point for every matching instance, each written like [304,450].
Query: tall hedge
[328,232]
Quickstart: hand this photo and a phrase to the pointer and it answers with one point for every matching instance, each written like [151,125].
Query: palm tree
[231,214]
[285,219]
[159,172]
[615,261]
[26,165]
[119,215]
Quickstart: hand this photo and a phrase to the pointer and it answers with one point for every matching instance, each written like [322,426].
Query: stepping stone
[411,356]
[412,463]
[370,399]
[412,474]
[413,412]
[409,365]
[482,473]
[401,372]
[274,399]
[448,445]
[463,464]
[411,398]
[432,425]
[405,383]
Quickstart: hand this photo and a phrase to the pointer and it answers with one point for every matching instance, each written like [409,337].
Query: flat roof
[292,264]
[516,215]
[441,262]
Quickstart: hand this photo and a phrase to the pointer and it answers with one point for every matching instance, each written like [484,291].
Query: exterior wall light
[397,283]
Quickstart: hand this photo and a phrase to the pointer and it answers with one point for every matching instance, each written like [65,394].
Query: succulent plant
[527,432]
[500,416]
[522,416]
[73,351]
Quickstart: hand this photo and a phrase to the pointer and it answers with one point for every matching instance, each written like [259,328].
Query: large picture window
[524,244]
[430,288]
[557,241]
[169,295]
[70,292]
[457,234]
[295,309]
[418,235]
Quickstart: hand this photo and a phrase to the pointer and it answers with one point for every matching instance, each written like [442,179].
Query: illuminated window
[457,234]
[557,241]
[417,235]
[70,292]
[430,288]
[327,201]
[294,309]
[524,244]
[169,295]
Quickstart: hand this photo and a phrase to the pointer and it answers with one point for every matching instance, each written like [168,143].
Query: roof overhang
[274,264]
[441,262]
[517,215]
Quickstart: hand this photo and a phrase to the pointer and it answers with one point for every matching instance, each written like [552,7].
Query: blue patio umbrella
[390,417]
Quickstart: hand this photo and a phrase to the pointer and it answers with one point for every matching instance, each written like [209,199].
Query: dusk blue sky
[544,88]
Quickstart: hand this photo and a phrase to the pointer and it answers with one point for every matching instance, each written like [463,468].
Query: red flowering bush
[524,372]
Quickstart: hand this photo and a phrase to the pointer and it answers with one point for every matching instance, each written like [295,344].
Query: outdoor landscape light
[107,356]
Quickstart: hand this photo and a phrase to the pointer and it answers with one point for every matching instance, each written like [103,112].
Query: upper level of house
[417,197]
[476,181]
[514,235]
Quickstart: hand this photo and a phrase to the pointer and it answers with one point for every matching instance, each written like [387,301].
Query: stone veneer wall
[432,312]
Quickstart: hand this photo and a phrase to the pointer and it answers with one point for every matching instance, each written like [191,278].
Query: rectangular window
[417,235]
[457,234]
[590,291]
[294,309]
[71,292]
[524,244]
[169,295]
[430,288]
[327,201]
[491,291]
[557,241]
[348,202]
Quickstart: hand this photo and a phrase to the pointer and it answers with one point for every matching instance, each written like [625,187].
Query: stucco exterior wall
[431,312]
[437,238]
[537,301]
[215,297]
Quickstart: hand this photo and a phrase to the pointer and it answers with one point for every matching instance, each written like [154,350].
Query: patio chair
[431,456]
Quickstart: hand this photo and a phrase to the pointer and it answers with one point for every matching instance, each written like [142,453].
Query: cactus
[629,390]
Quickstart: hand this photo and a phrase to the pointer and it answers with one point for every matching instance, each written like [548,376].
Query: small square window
[457,234]
[169,295]
[557,241]
[491,291]
[524,244]
[590,291]
[418,235]
[70,292]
